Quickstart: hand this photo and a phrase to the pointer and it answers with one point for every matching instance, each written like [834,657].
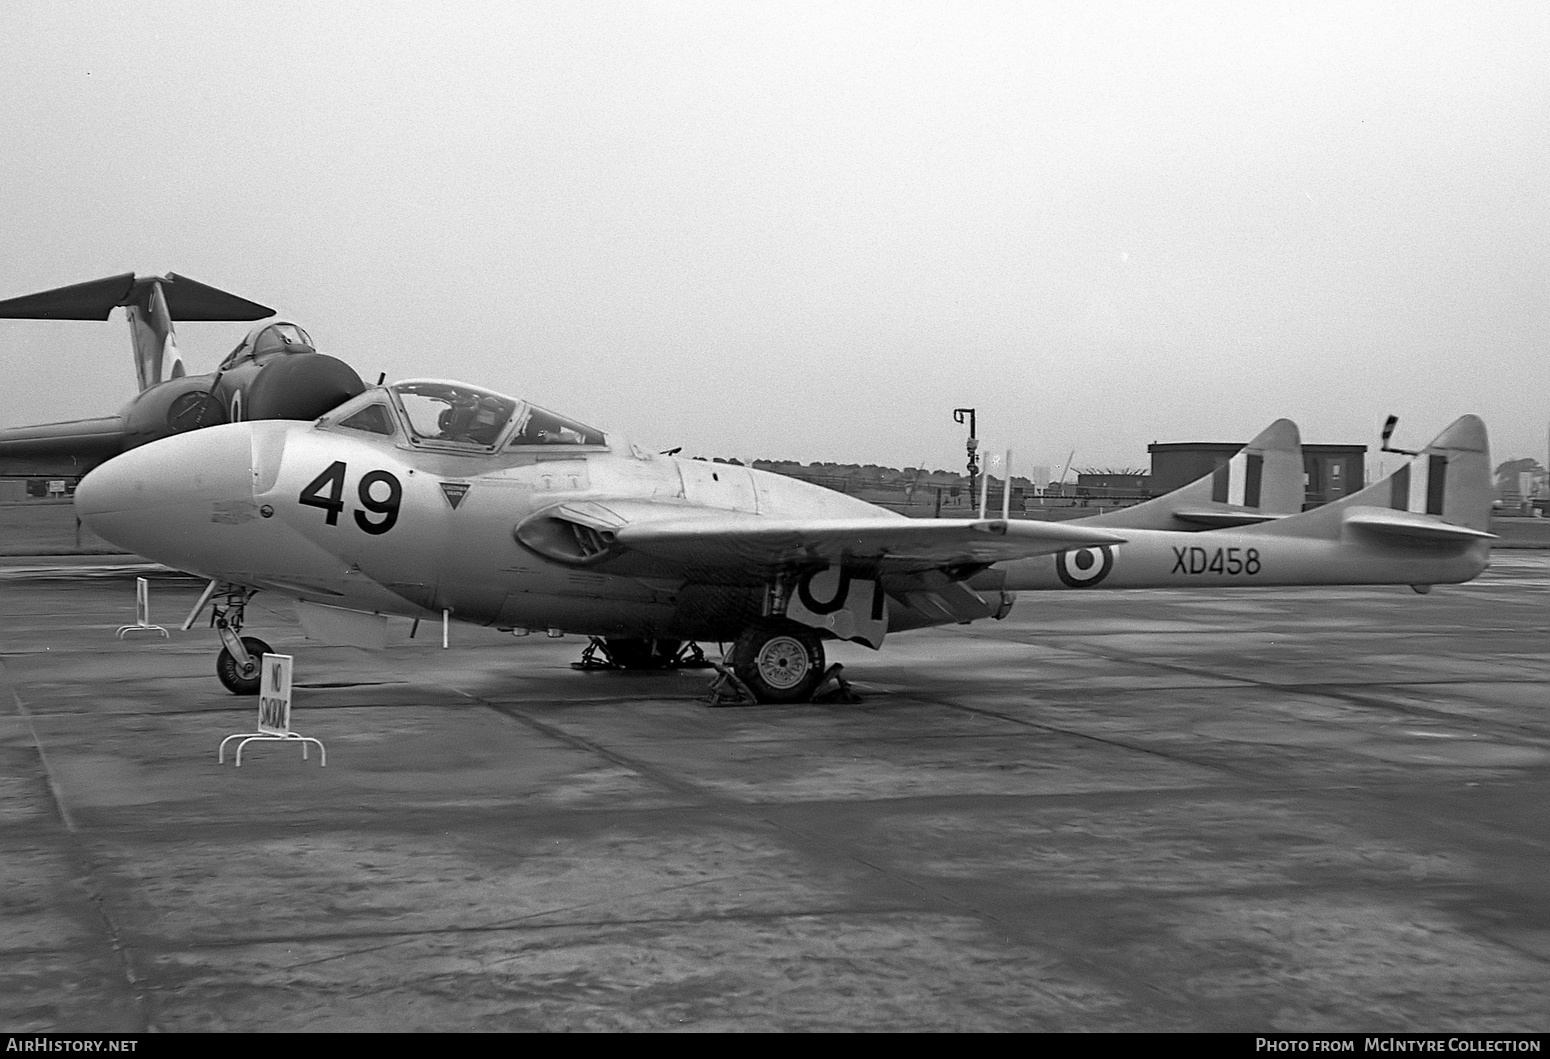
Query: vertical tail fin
[1263,481]
[150,329]
[1442,493]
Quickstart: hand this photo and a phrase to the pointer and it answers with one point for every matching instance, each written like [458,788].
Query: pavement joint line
[181,830]
[48,772]
[756,811]
[1324,688]
[1332,690]
[396,938]
[1046,726]
[656,775]
[84,860]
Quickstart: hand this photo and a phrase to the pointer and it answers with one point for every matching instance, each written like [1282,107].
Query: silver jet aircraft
[437,500]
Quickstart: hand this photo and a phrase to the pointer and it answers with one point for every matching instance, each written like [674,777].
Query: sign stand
[142,612]
[274,713]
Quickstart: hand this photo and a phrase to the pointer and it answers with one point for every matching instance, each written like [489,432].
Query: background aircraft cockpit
[272,337]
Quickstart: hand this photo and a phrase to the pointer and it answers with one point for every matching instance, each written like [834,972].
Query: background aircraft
[440,499]
[275,373]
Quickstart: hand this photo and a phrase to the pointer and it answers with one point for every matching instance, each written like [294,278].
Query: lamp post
[961,415]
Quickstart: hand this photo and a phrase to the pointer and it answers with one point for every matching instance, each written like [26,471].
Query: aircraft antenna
[1388,432]
[1006,487]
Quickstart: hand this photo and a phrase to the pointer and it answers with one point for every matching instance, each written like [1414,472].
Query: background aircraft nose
[158,499]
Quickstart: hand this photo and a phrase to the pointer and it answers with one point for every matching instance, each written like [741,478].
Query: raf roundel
[1084,567]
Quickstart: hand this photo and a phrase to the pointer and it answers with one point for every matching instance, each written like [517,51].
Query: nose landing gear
[239,665]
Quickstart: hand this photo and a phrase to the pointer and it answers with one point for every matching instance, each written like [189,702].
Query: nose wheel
[242,678]
[779,660]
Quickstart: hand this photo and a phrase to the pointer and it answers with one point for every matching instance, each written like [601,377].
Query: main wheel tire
[642,654]
[780,661]
[241,681]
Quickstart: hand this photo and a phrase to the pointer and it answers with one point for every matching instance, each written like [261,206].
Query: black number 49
[333,500]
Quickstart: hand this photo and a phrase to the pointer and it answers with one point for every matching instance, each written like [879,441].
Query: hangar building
[1330,471]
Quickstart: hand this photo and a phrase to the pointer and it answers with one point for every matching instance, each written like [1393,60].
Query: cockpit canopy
[437,414]
[272,337]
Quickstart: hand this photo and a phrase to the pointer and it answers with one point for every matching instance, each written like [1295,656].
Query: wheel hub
[783,662]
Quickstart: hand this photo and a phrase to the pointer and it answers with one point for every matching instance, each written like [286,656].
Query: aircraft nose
[163,500]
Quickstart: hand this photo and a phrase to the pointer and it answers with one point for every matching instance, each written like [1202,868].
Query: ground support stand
[597,656]
[289,737]
[590,659]
[142,613]
[690,656]
[124,630]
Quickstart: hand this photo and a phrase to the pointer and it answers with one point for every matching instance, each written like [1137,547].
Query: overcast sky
[811,230]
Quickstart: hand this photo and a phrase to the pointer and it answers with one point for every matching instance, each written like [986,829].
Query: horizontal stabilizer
[96,299]
[92,300]
[1225,517]
[1414,526]
[189,299]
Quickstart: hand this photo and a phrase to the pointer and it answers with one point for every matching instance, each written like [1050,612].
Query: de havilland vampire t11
[274,373]
[433,499]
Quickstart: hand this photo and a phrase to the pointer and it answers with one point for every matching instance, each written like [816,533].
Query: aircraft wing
[60,448]
[97,437]
[895,545]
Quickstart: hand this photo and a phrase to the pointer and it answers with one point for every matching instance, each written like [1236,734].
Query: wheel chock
[727,689]
[842,690]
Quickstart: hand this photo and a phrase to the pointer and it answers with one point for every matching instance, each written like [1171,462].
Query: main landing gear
[239,664]
[774,661]
[778,660]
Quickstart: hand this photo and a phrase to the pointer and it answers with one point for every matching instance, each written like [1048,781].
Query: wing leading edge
[891,545]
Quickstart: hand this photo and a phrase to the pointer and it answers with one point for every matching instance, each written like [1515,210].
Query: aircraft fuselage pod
[379,508]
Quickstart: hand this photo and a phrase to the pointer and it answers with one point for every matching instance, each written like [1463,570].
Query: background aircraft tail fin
[1442,493]
[1262,482]
[152,304]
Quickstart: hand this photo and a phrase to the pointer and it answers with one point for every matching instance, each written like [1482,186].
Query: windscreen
[541,427]
[454,414]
